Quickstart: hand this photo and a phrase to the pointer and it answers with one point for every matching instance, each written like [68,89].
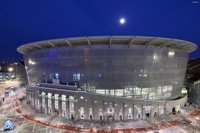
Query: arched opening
[72,116]
[174,110]
[101,118]
[129,116]
[147,114]
[90,117]
[155,114]
[120,117]
[110,118]
[138,116]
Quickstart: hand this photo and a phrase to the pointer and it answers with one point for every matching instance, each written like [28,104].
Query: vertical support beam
[36,99]
[40,102]
[93,110]
[123,111]
[46,103]
[131,41]
[133,111]
[27,97]
[76,108]
[142,112]
[49,97]
[113,106]
[53,103]
[67,107]
[33,98]
[60,104]
[110,42]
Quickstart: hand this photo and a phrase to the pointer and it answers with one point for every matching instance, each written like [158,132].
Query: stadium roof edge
[146,41]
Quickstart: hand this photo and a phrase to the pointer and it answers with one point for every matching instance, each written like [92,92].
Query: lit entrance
[110,118]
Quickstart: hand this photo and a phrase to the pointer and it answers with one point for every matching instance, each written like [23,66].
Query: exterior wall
[89,106]
[138,72]
[195,92]
[177,104]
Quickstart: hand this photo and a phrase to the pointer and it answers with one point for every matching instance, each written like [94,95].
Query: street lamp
[10,69]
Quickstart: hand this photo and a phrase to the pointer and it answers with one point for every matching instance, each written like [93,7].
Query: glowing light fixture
[31,62]
[171,54]
[10,69]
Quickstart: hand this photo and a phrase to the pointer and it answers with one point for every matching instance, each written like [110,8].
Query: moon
[122,21]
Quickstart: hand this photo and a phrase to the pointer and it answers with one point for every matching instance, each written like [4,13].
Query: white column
[44,106]
[64,108]
[71,107]
[56,97]
[49,97]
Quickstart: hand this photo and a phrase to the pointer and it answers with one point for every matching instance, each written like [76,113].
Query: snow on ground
[7,111]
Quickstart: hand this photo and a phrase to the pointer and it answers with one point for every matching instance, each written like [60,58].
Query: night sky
[24,21]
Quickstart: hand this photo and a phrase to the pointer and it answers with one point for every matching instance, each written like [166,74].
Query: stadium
[110,78]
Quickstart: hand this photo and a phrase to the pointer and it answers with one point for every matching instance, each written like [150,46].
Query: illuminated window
[81,109]
[76,76]
[56,75]
[168,94]
[112,92]
[167,88]
[119,92]
[100,91]
[171,53]
[145,91]
[91,89]
[130,110]
[155,57]
[107,91]
[136,91]
[152,95]
[90,109]
[159,90]
[63,97]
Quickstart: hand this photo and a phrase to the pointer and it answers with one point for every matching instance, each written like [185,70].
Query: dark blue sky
[24,21]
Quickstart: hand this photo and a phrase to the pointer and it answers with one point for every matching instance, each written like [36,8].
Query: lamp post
[10,69]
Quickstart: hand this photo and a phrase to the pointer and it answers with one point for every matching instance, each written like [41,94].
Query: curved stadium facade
[118,77]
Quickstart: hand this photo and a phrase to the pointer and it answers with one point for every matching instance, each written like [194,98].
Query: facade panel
[138,72]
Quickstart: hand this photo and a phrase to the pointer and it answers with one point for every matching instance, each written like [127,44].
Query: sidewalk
[164,123]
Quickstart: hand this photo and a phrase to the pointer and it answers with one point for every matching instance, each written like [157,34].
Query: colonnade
[76,106]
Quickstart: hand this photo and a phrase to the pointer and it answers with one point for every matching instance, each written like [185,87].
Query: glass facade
[138,72]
